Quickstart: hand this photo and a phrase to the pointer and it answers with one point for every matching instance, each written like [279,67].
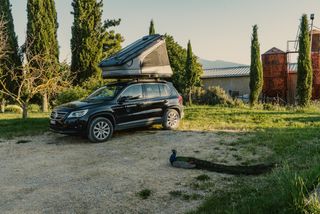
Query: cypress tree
[12,59]
[91,41]
[256,72]
[41,38]
[152,31]
[42,29]
[304,81]
[192,73]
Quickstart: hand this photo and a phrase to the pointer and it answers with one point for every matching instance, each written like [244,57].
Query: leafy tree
[178,57]
[91,41]
[113,40]
[152,31]
[256,72]
[41,38]
[34,77]
[10,50]
[193,73]
[304,82]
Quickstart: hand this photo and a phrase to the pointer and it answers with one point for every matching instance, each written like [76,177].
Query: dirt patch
[56,173]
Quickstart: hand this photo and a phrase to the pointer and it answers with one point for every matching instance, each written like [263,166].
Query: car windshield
[107,92]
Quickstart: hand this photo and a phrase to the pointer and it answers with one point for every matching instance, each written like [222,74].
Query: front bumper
[68,126]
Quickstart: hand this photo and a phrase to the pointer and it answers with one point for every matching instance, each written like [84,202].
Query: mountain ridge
[208,64]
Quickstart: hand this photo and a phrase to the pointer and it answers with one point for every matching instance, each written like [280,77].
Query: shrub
[34,108]
[80,92]
[13,109]
[239,103]
[144,194]
[273,107]
[72,94]
[212,96]
[203,177]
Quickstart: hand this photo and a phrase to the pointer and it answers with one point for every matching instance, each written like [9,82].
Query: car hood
[78,105]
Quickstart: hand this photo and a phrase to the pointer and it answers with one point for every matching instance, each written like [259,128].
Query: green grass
[185,196]
[11,125]
[294,138]
[220,118]
[144,194]
[203,177]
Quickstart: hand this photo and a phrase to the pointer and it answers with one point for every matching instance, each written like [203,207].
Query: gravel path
[61,174]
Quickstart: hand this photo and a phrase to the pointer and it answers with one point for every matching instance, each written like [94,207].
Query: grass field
[11,125]
[292,135]
[294,138]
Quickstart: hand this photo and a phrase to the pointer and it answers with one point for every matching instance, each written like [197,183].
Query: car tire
[171,119]
[100,130]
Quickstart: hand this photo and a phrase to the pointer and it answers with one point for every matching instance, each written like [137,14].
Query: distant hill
[207,64]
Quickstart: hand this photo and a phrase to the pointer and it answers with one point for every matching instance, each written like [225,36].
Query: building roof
[239,71]
[274,50]
[316,30]
[131,51]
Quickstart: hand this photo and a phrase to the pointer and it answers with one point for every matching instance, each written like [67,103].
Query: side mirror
[122,99]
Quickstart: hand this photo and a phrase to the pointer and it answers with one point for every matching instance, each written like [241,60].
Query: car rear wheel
[171,120]
[100,130]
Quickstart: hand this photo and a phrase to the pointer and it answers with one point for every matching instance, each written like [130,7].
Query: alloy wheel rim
[101,130]
[173,119]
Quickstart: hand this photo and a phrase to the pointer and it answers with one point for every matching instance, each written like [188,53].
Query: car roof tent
[145,58]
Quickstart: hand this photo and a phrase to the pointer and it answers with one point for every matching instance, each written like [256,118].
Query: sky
[218,29]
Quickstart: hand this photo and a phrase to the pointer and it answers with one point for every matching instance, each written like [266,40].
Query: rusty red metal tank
[275,74]
[316,75]
[316,40]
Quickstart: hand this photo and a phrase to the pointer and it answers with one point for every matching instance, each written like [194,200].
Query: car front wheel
[171,119]
[100,130]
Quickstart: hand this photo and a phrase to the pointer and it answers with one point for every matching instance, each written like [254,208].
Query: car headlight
[77,114]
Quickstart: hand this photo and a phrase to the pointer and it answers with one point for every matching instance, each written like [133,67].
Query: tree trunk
[45,108]
[3,105]
[25,111]
[190,97]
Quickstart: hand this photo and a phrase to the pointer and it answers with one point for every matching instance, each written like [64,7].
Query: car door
[128,107]
[154,102]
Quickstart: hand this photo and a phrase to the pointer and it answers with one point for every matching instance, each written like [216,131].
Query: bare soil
[62,174]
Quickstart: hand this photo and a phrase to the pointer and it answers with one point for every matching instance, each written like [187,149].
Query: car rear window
[165,91]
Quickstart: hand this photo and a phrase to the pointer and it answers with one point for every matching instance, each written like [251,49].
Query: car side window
[132,92]
[164,90]
[152,90]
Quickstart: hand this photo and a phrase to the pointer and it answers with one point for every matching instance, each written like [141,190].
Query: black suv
[118,106]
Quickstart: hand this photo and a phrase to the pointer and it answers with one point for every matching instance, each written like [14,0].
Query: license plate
[53,122]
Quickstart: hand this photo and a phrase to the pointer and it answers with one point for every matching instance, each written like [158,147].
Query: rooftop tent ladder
[145,58]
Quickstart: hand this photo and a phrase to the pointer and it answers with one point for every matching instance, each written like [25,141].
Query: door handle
[131,105]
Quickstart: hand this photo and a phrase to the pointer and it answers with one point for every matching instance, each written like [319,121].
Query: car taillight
[180,100]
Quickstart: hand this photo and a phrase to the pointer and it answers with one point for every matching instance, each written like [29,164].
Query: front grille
[58,115]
